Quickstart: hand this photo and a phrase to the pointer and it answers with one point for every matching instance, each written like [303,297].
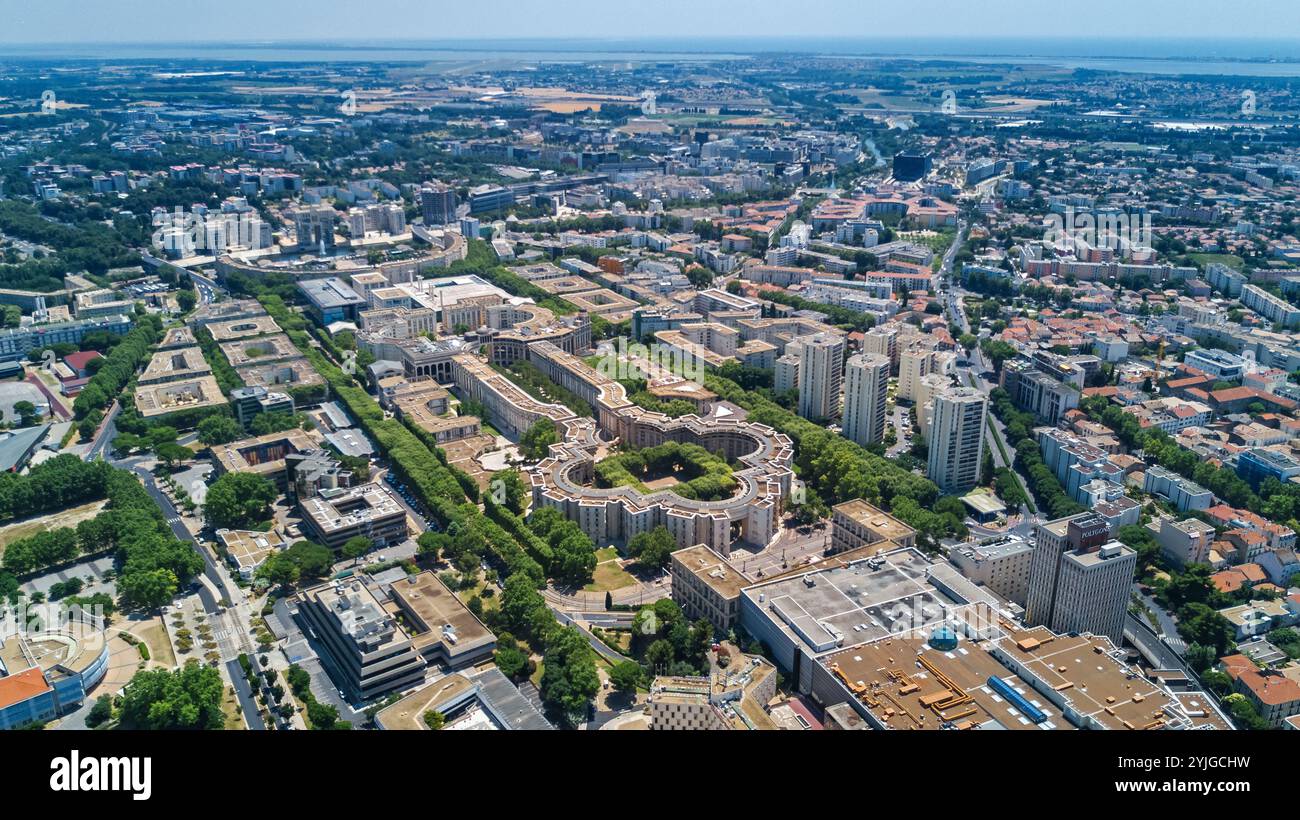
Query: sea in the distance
[1225,57]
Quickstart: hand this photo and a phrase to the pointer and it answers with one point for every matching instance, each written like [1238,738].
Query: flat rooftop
[258,350]
[174,365]
[885,525]
[266,452]
[461,694]
[172,397]
[249,548]
[344,508]
[907,684]
[242,328]
[441,615]
[864,601]
[712,569]
[1083,669]
[330,293]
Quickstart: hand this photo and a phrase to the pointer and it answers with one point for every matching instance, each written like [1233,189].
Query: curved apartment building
[563,480]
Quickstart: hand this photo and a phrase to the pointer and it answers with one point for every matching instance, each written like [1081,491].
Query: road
[107,432]
[223,610]
[596,643]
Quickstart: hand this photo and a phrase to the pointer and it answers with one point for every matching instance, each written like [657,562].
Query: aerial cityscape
[583,385]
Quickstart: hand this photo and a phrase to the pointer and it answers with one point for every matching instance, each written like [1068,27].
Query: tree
[570,680]
[432,544]
[434,719]
[149,589]
[513,662]
[275,422]
[219,430]
[625,676]
[1198,623]
[27,415]
[101,712]
[653,548]
[172,454]
[538,438]
[238,501]
[523,609]
[303,560]
[660,655]
[185,698]
[357,546]
[511,492]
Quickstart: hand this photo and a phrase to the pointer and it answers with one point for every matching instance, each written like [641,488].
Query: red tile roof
[23,686]
[79,360]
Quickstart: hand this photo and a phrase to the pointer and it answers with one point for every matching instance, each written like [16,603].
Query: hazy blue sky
[171,21]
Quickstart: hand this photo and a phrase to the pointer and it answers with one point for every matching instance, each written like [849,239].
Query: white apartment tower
[882,340]
[957,438]
[866,379]
[821,369]
[916,360]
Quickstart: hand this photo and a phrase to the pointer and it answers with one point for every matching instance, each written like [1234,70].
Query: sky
[174,21]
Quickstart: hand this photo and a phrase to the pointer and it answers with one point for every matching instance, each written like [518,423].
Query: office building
[370,652]
[911,167]
[337,515]
[468,700]
[957,438]
[1080,580]
[1217,364]
[331,300]
[247,402]
[437,204]
[865,385]
[706,586]
[911,644]
[734,698]
[1259,463]
[17,342]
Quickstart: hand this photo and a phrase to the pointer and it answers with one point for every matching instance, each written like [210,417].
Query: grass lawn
[488,603]
[230,705]
[1231,260]
[160,649]
[63,518]
[608,576]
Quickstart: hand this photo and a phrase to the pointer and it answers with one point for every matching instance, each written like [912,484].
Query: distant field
[1234,262]
[64,518]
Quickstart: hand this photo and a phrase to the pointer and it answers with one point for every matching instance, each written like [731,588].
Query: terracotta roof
[1229,580]
[79,360]
[23,686]
[1269,688]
